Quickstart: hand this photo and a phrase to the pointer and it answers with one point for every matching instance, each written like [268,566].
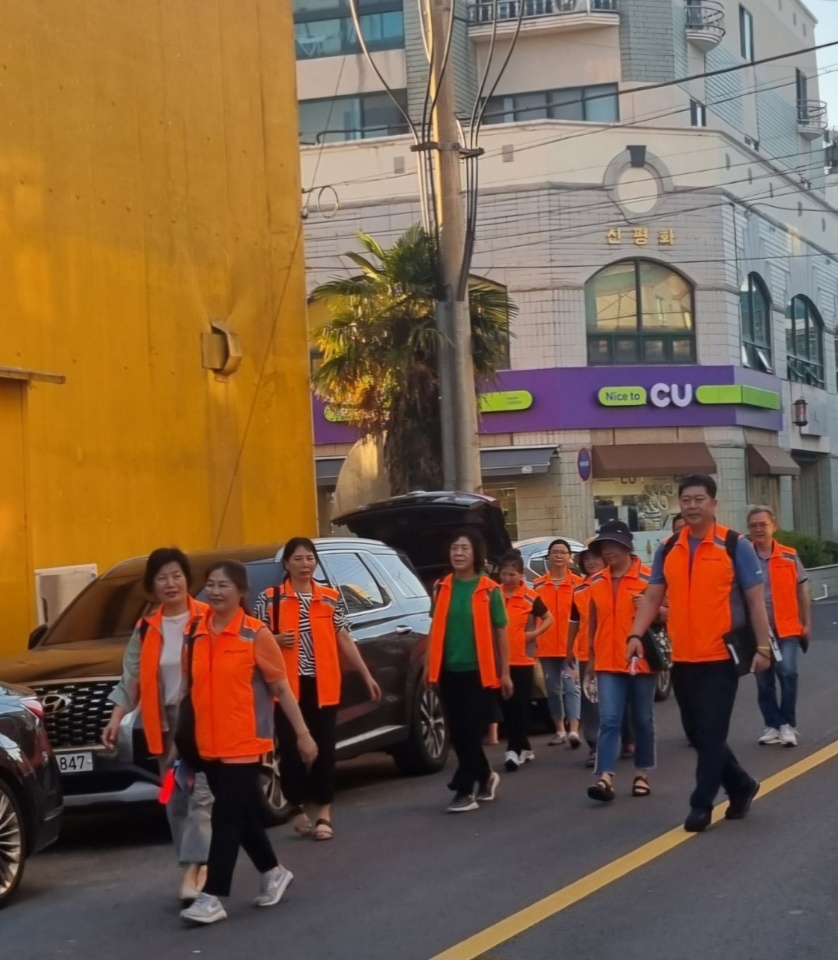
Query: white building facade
[671,250]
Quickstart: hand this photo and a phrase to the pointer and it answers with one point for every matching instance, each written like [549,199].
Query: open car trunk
[421,526]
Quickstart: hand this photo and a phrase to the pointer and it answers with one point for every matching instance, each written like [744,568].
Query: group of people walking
[214,684]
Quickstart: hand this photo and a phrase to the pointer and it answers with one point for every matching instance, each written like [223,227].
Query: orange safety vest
[582,601]
[284,606]
[699,598]
[782,572]
[483,632]
[558,600]
[233,704]
[151,694]
[615,616]
[519,611]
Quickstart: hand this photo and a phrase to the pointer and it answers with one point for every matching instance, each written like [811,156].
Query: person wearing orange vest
[234,672]
[556,589]
[151,679]
[621,678]
[528,619]
[578,646]
[789,613]
[310,623]
[468,658]
[715,585]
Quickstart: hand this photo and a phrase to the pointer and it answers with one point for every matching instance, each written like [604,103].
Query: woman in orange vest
[468,657]
[578,643]
[311,626]
[556,589]
[234,672]
[614,593]
[151,678]
[528,619]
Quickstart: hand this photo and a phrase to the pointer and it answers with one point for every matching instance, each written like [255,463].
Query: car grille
[79,724]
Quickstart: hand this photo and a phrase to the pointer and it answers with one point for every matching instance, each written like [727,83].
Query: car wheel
[12,843]
[426,749]
[275,808]
[663,686]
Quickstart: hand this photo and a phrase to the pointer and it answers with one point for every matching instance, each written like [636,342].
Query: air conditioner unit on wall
[55,587]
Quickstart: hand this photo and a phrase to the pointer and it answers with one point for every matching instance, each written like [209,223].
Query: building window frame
[804,342]
[746,34]
[698,114]
[756,348]
[316,31]
[363,131]
[646,343]
[511,108]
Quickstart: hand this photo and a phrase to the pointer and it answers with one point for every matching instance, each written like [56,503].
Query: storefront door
[807,495]
[15,586]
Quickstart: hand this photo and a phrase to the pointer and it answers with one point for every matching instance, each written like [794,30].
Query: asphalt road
[404,881]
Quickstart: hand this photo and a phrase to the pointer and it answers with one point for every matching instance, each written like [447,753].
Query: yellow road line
[524,919]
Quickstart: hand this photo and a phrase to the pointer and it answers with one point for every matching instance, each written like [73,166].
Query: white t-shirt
[170,670]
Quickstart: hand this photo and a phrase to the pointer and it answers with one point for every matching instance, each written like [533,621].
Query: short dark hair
[160,558]
[478,545]
[564,543]
[698,480]
[512,558]
[237,574]
[293,545]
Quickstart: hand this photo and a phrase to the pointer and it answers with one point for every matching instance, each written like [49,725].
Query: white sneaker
[788,735]
[512,761]
[486,791]
[205,909]
[526,756]
[769,735]
[272,886]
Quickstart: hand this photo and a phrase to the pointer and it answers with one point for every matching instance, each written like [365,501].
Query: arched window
[755,320]
[639,311]
[804,342]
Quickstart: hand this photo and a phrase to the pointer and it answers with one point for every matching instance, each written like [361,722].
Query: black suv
[75,663]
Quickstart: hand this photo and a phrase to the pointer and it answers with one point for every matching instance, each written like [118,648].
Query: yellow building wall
[149,184]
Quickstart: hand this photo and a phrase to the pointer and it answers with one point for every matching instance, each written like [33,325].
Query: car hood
[95,658]
[421,524]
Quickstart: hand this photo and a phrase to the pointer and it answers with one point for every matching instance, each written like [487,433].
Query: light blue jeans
[615,691]
[563,695]
[785,672]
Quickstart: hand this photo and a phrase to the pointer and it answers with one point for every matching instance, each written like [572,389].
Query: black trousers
[468,706]
[299,783]
[516,710]
[706,693]
[236,822]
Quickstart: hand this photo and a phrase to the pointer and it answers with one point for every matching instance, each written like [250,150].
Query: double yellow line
[527,918]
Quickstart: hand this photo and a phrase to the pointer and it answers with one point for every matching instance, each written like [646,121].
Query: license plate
[74,762]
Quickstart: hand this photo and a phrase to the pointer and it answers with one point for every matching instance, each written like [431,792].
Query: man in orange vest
[789,613]
[714,584]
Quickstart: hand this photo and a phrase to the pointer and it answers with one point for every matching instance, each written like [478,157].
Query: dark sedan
[30,786]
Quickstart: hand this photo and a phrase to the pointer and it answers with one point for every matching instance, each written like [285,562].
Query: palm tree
[380,351]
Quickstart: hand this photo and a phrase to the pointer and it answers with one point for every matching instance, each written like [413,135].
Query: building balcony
[811,119]
[539,16]
[705,23]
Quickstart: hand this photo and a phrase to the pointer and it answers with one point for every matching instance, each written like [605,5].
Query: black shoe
[739,806]
[698,820]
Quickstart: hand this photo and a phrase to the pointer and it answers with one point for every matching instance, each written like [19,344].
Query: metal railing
[706,18]
[812,113]
[485,11]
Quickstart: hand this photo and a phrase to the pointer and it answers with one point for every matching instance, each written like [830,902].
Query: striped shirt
[262,610]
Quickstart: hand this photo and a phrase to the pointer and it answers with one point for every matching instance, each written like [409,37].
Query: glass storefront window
[507,497]
[646,504]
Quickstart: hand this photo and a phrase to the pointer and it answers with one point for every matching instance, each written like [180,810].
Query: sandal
[640,787]
[323,830]
[601,790]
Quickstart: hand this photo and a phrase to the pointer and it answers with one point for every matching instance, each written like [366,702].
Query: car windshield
[107,609]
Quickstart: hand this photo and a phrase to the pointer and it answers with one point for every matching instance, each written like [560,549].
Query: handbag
[655,650]
[741,644]
[185,739]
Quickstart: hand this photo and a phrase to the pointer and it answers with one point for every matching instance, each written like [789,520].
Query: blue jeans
[777,715]
[563,696]
[615,691]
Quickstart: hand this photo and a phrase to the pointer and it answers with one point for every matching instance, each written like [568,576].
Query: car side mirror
[37,636]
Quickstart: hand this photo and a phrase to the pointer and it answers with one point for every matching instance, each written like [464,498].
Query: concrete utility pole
[460,448]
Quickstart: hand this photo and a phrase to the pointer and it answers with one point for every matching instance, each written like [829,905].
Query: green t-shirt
[460,646]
